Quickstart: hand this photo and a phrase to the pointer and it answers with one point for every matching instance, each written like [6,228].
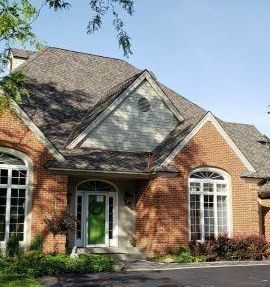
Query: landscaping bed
[38,264]
[220,249]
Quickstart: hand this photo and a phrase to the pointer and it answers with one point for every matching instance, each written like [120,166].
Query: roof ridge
[34,54]
[90,54]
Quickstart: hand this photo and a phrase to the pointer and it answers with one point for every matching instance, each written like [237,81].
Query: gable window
[13,191]
[208,204]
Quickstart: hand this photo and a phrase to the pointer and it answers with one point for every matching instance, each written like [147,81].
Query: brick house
[136,163]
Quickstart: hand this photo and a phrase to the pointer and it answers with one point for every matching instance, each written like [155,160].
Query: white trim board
[144,76]
[210,118]
[29,123]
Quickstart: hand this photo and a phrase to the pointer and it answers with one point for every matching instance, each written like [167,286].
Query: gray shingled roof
[64,85]
[248,139]
[69,89]
[93,160]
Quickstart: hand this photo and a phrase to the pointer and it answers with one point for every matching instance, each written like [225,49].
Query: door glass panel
[96,219]
[110,217]
[3,201]
[79,218]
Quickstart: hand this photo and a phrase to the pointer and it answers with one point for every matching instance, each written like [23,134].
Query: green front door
[96,219]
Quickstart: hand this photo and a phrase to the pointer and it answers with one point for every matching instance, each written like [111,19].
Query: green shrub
[239,248]
[13,246]
[184,256]
[3,264]
[38,264]
[36,243]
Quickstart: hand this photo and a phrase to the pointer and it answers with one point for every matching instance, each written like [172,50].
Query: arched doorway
[97,214]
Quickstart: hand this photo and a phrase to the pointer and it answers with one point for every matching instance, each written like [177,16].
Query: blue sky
[215,53]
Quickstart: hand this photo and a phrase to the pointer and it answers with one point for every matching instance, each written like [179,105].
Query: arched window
[208,204]
[13,191]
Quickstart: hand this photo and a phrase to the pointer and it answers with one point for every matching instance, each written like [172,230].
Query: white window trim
[144,76]
[210,118]
[227,181]
[84,239]
[28,195]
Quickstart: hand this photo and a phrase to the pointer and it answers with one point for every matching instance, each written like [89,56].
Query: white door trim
[106,244]
[84,236]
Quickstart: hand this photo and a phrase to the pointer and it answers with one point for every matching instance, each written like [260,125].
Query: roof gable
[145,76]
[209,117]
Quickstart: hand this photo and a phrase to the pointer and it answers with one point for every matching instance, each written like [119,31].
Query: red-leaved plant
[251,247]
[59,223]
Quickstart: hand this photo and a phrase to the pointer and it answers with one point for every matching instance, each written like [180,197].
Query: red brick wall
[162,204]
[47,188]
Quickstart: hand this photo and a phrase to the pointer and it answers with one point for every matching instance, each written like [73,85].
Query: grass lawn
[14,280]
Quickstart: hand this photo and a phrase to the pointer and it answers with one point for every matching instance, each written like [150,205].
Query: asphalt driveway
[239,276]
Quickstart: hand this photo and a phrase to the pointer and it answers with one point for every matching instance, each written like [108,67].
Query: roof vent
[144,105]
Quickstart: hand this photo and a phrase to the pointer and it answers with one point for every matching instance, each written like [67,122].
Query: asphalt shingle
[69,89]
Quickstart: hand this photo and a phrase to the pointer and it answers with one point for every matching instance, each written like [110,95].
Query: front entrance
[96,214]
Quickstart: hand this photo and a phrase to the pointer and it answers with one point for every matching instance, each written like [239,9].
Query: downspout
[150,162]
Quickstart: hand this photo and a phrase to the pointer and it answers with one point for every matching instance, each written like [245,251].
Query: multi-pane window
[208,205]
[13,190]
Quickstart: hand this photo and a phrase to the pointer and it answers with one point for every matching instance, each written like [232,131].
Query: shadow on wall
[265,214]
[57,112]
[46,189]
[60,111]
[162,207]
